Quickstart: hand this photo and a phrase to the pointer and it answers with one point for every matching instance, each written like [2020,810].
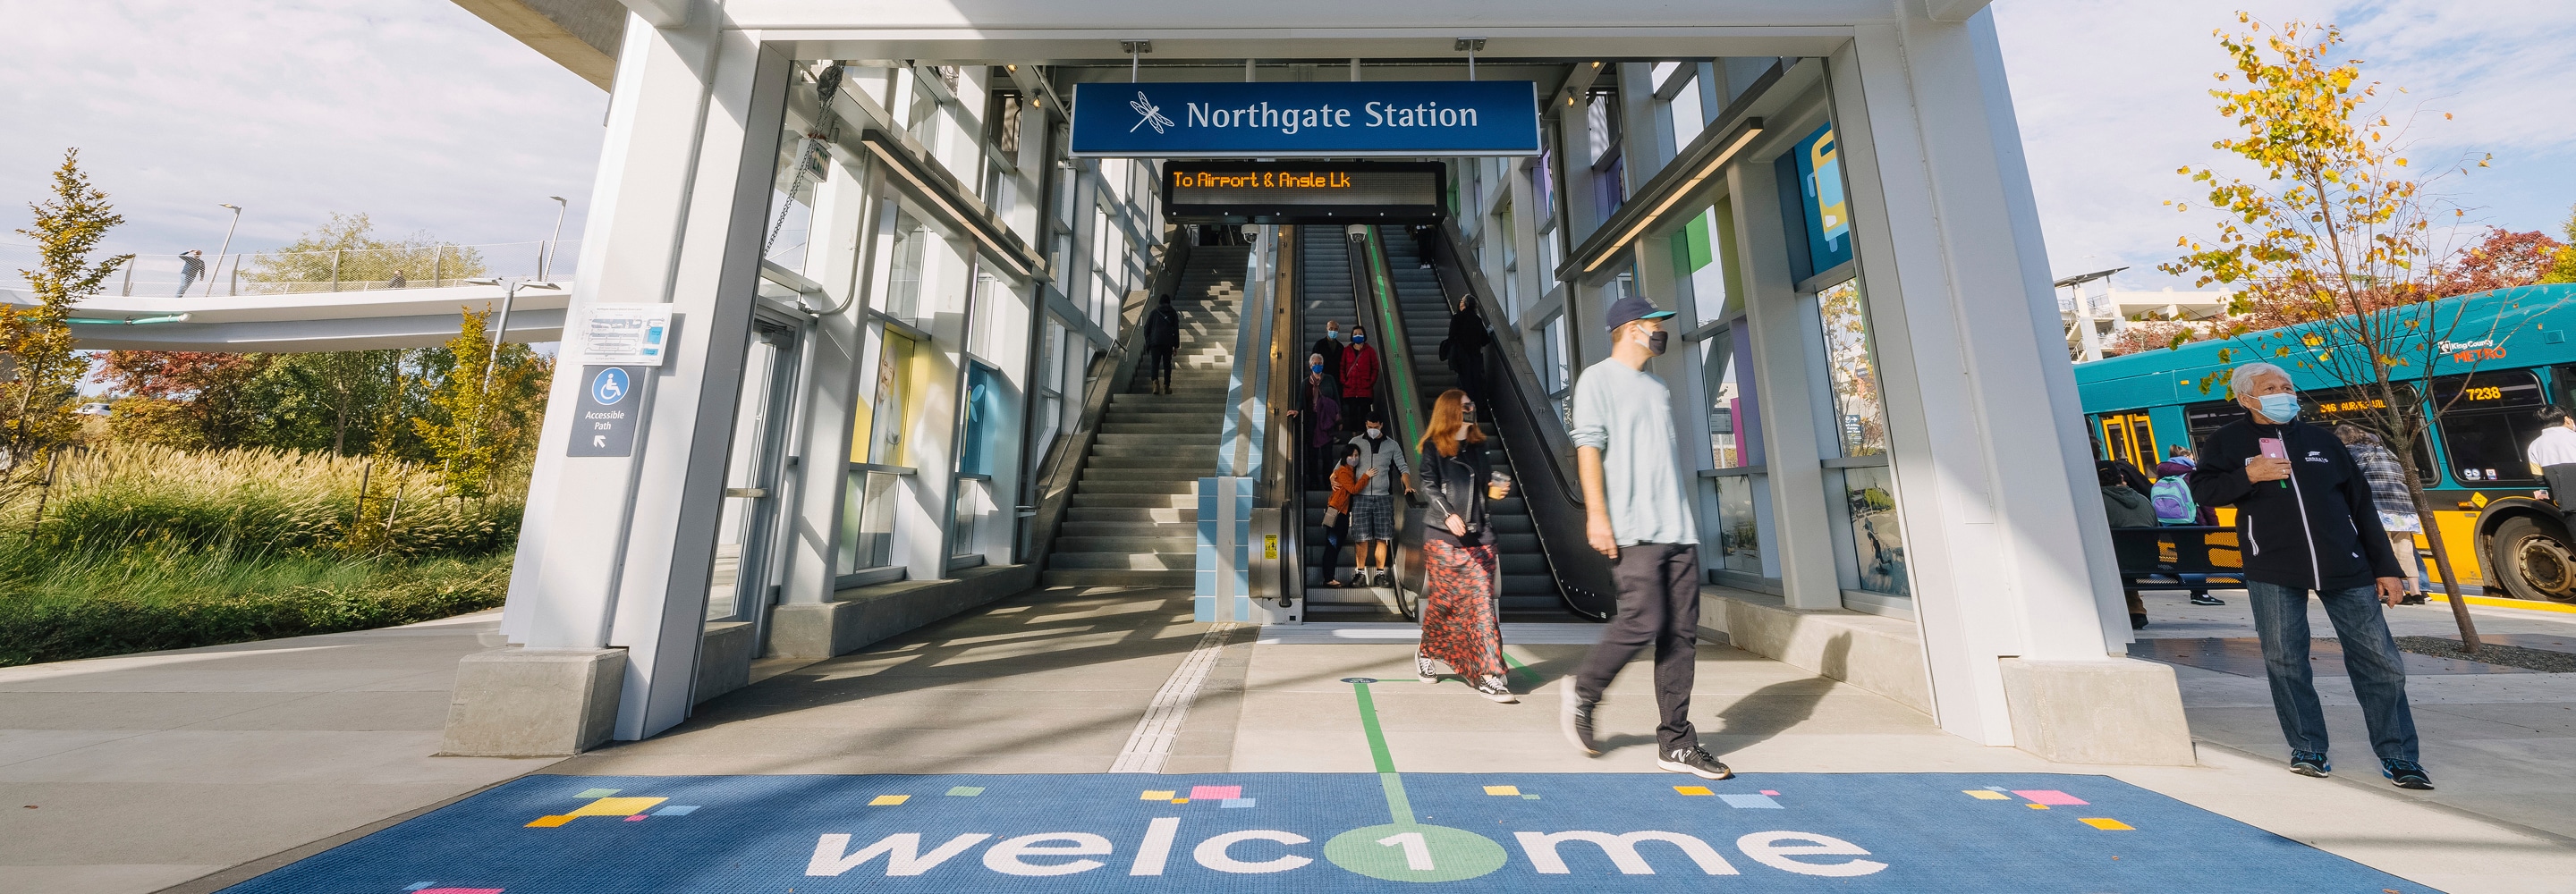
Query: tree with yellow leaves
[38,339]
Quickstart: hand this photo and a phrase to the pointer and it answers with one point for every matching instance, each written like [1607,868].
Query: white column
[619,551]
[2006,557]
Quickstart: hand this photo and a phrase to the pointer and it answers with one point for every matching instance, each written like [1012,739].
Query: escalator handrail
[1542,450]
[1283,480]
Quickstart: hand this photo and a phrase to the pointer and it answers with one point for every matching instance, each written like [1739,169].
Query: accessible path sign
[1320,119]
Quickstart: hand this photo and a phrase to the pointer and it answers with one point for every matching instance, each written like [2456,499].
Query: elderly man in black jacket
[2306,521]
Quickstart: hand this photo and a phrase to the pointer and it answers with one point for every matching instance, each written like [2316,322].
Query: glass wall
[1876,546]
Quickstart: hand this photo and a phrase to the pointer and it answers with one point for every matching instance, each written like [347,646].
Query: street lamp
[510,286]
[554,242]
[220,252]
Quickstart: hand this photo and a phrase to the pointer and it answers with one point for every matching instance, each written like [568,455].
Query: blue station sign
[1324,119]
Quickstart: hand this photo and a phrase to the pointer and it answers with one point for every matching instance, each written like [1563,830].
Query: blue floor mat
[1309,833]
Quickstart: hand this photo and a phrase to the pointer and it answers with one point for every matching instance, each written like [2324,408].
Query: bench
[2146,554]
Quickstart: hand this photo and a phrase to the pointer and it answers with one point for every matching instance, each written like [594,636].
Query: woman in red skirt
[1461,624]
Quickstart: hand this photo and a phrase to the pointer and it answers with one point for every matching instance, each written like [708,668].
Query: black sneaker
[1576,718]
[2407,774]
[2205,599]
[2310,763]
[1695,761]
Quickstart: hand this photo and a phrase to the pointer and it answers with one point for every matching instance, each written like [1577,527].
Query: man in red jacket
[1359,375]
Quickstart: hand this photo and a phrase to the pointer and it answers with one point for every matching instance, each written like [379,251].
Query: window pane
[1688,119]
[1726,422]
[1878,541]
[903,280]
[1739,538]
[1851,361]
[867,521]
[2487,448]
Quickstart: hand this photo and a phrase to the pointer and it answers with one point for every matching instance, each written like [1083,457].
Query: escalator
[1548,572]
[1326,294]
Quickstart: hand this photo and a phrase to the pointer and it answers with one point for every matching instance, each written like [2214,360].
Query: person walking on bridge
[192,264]
[2305,513]
[1636,512]
[1162,337]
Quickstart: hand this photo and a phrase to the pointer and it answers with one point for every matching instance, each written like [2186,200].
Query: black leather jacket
[1454,485]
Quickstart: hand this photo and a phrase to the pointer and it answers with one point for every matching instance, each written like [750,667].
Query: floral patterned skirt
[1461,623]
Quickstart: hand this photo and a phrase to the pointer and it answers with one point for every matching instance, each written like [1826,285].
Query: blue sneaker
[2310,763]
[2407,774]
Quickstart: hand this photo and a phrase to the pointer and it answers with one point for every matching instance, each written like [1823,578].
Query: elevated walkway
[353,320]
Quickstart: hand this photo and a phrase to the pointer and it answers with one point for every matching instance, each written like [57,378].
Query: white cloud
[2113,97]
[413,111]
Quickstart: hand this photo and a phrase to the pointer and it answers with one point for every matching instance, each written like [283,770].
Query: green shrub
[81,613]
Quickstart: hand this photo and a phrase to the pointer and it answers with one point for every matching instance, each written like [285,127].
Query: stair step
[1095,577]
[1175,561]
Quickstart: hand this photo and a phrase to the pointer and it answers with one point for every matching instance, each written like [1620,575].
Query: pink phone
[2272,448]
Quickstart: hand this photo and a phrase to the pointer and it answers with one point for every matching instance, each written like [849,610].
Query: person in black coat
[1466,346]
[2307,522]
[1162,337]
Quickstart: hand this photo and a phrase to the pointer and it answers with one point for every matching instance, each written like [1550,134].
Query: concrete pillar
[1987,442]
[620,550]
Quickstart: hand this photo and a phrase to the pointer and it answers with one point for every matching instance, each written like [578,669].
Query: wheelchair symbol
[609,387]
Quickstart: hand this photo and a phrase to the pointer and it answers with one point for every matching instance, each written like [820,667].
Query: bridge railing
[435,265]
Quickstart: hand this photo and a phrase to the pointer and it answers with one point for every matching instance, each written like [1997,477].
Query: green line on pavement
[1368,722]
[1397,805]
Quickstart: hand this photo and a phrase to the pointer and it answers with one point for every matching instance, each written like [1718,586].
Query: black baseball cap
[1631,309]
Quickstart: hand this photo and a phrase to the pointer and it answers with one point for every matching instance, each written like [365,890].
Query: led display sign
[1291,192]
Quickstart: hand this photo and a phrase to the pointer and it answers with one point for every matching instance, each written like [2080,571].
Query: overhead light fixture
[129,321]
[1751,128]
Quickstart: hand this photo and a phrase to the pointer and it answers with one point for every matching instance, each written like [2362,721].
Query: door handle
[752,492]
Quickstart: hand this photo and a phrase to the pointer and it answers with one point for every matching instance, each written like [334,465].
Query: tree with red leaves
[204,390]
[2503,259]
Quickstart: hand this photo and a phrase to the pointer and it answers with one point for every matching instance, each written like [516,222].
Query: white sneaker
[1493,687]
[1423,668]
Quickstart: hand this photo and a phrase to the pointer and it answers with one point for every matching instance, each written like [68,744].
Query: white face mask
[1375,433]
[1353,462]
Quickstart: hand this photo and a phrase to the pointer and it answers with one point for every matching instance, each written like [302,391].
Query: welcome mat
[1314,833]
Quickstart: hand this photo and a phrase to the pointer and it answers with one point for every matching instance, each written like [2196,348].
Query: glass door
[745,572]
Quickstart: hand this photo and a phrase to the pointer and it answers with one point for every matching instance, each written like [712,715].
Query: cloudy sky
[430,120]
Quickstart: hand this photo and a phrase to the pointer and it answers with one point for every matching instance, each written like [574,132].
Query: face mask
[1469,416]
[1656,342]
[1353,462]
[1375,434]
[1334,334]
[1359,339]
[2280,407]
[1316,368]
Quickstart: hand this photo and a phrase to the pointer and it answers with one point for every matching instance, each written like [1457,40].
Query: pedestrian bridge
[350,320]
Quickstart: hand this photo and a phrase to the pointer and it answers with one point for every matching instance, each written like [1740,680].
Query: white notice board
[624,334]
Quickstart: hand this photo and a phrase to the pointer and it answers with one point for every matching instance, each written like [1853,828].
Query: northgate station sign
[1306,120]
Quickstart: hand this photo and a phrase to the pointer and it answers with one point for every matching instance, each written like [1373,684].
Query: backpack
[2173,503]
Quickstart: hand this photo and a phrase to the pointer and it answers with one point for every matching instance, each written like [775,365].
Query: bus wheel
[2534,562]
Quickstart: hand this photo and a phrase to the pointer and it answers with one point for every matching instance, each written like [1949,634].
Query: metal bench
[2146,554]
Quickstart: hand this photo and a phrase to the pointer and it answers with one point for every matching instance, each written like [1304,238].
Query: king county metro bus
[2502,355]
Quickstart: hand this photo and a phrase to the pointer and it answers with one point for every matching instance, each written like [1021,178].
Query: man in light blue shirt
[1634,501]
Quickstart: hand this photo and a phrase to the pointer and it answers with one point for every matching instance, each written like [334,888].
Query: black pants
[1355,412]
[1160,358]
[1658,604]
[1471,376]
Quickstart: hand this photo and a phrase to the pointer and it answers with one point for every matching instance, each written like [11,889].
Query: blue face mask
[2280,408]
[1316,368]
[1336,334]
[1359,339]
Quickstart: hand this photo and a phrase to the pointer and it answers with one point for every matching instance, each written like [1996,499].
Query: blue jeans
[2369,655]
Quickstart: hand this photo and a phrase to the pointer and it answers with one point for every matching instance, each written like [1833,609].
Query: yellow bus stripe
[2492,602]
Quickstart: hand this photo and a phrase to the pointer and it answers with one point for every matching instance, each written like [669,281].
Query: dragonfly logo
[1148,113]
[609,387]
